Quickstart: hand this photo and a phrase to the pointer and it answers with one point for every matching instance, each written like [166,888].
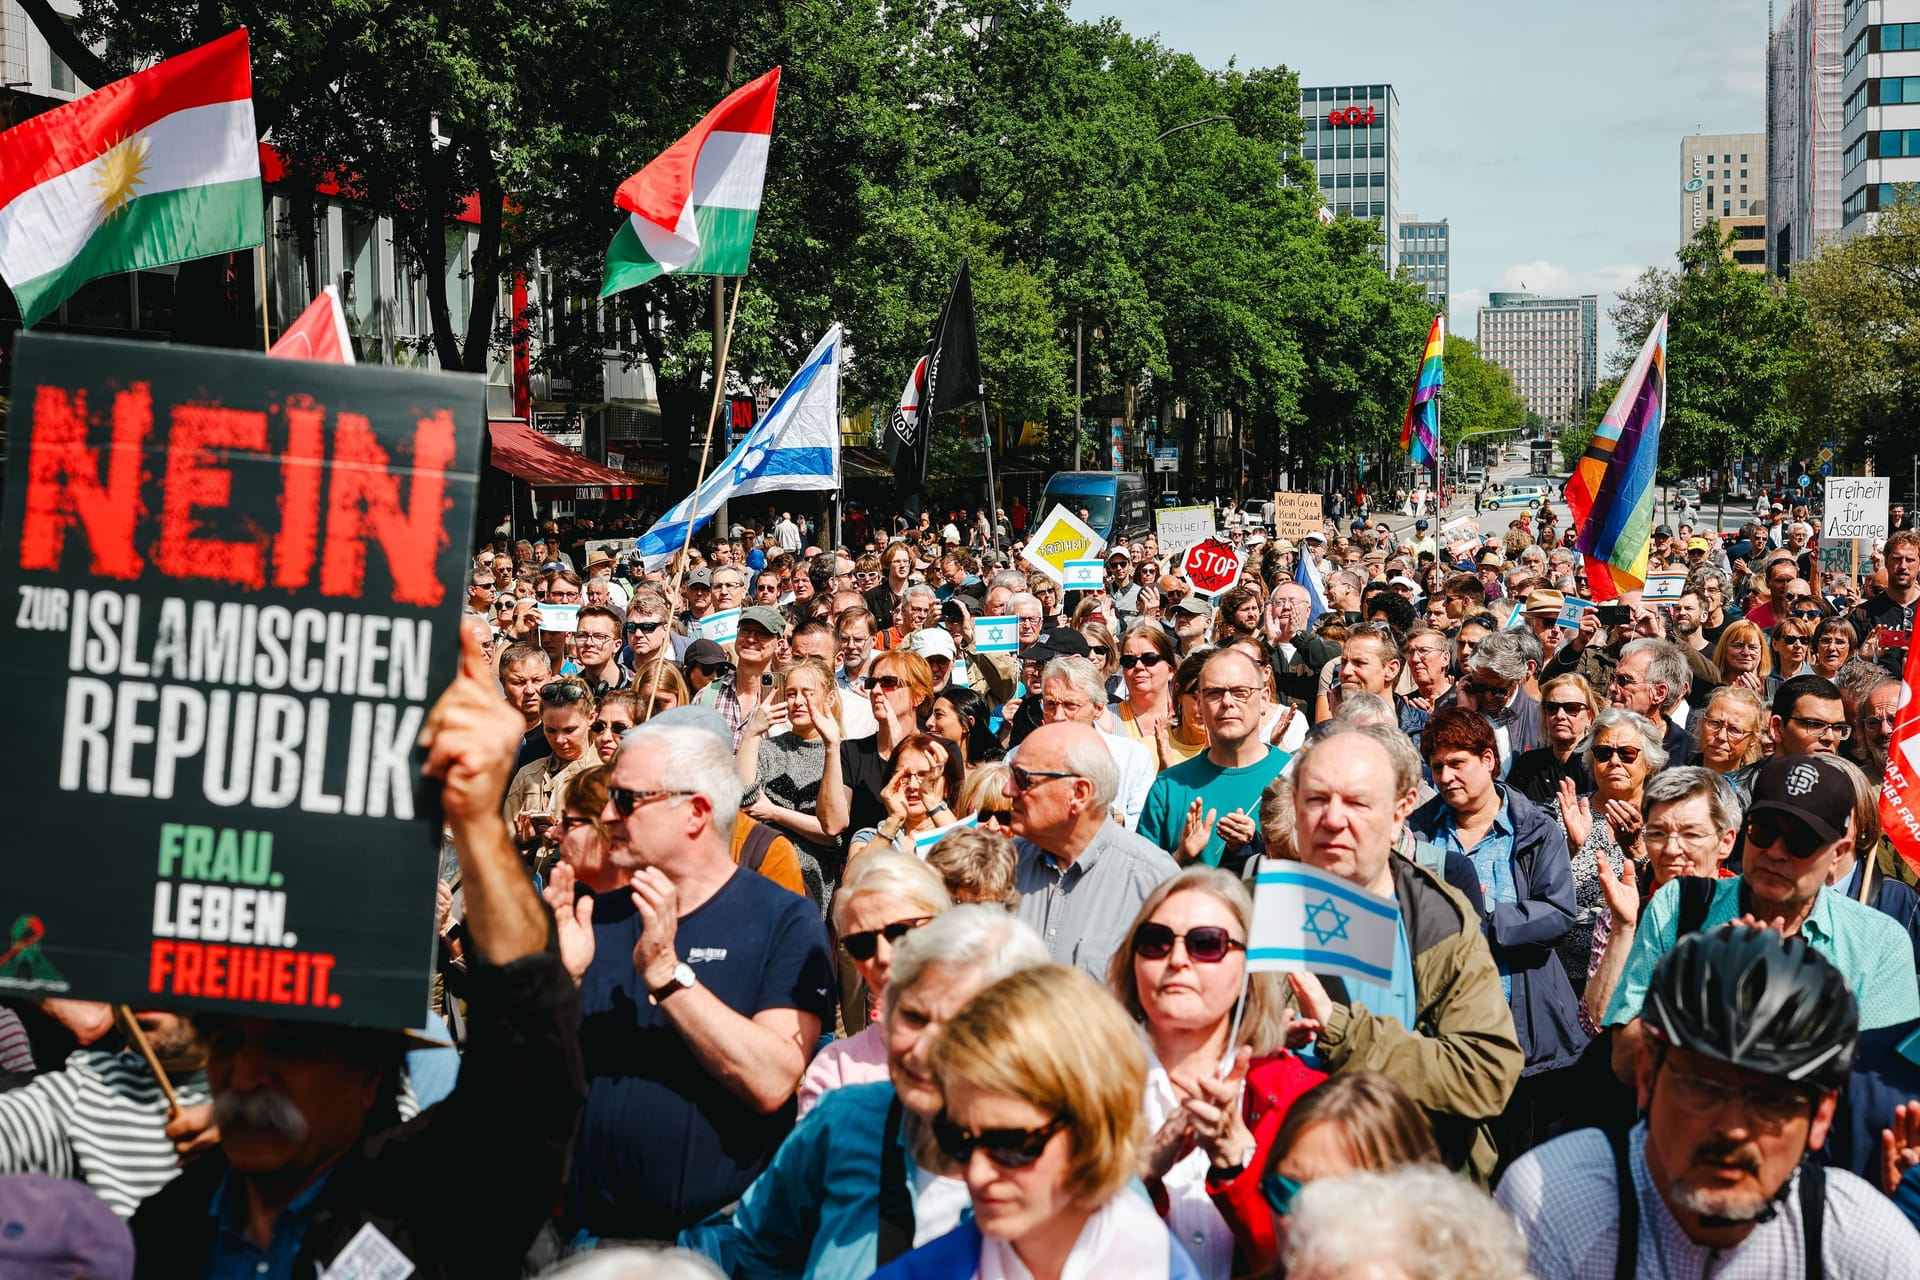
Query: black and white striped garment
[102,1120]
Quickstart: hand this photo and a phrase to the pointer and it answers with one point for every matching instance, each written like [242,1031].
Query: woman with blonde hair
[1181,978]
[1568,705]
[1147,665]
[1731,725]
[1742,658]
[986,797]
[660,686]
[1792,644]
[887,896]
[1104,652]
[791,749]
[1041,1079]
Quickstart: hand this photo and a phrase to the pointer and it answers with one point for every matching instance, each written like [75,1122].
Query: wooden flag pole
[706,450]
[138,1038]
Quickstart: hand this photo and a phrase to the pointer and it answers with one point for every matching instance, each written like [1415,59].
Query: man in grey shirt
[1081,875]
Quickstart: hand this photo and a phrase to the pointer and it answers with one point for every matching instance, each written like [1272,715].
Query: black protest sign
[235,585]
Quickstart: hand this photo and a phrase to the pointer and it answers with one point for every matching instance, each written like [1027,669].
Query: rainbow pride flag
[1611,491]
[1420,434]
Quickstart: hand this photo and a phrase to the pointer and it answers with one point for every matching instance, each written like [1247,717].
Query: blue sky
[1547,132]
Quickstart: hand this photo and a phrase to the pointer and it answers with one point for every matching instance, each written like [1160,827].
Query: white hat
[932,642]
[1404,581]
[1313,535]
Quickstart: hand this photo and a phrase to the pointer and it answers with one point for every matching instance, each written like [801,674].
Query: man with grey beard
[311,1172]
[1873,726]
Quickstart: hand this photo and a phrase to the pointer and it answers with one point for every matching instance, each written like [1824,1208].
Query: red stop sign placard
[1211,566]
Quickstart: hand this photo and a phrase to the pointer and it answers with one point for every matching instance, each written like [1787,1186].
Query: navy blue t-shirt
[663,1143]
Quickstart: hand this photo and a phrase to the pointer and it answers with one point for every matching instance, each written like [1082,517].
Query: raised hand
[1236,828]
[1624,817]
[1214,1113]
[573,918]
[1312,998]
[1900,1146]
[1575,814]
[1196,832]
[1622,891]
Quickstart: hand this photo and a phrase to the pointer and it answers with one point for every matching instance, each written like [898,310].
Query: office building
[1422,249]
[1804,117]
[1880,108]
[1551,346]
[1353,139]
[1722,175]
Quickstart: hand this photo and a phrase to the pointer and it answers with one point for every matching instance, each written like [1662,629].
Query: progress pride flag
[1899,817]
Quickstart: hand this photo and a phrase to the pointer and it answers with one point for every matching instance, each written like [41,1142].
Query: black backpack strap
[1813,1210]
[1696,899]
[1626,1258]
[753,849]
[896,1205]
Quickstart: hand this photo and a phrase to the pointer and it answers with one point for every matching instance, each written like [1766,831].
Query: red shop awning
[525,454]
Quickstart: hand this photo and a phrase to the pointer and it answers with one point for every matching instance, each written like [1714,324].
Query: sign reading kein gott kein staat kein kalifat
[234,586]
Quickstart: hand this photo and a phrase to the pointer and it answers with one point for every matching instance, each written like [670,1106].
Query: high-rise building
[1422,249]
[1804,115]
[1353,139]
[1551,347]
[1722,175]
[1880,108]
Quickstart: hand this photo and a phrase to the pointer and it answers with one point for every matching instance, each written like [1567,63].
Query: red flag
[1899,795]
[319,334]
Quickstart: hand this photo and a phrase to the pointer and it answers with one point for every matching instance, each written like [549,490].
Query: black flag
[947,376]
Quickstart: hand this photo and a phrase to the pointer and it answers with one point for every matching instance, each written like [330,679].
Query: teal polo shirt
[1869,948]
[1164,816]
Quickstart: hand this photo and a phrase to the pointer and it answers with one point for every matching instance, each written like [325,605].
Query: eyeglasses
[1770,1109]
[1552,709]
[1797,642]
[602,726]
[1605,754]
[1226,693]
[1660,838]
[1154,658]
[593,637]
[1206,944]
[1725,728]
[1837,729]
[1280,1190]
[1879,722]
[1024,778]
[1008,1148]
[1002,816]
[1426,651]
[863,946]
[1802,841]
[626,800]
[1052,706]
[886,684]
[1494,692]
[1098,650]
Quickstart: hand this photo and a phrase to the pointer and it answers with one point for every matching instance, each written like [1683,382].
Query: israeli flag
[1307,575]
[795,446]
[1310,921]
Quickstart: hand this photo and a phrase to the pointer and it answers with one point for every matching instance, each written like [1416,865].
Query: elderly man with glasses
[1495,684]
[1789,845]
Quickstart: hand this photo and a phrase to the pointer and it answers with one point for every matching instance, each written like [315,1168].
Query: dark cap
[1194,605]
[705,653]
[766,616]
[1663,531]
[699,578]
[1420,523]
[1810,788]
[1056,642]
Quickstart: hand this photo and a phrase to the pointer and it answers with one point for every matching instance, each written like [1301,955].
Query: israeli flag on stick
[795,446]
[1307,575]
[921,844]
[1309,921]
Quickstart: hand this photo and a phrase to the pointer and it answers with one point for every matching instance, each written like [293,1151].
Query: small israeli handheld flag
[721,628]
[923,843]
[1310,921]
[996,635]
[1083,575]
[795,446]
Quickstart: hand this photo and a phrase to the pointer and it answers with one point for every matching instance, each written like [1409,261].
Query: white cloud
[1550,279]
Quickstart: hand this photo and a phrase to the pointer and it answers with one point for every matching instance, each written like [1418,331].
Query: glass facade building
[1880,108]
[1353,140]
[1423,248]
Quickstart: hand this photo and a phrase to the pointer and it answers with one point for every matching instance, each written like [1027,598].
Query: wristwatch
[683,977]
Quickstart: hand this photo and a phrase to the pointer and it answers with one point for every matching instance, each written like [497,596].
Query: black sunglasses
[1008,1148]
[1128,661]
[862,946]
[644,628]
[1024,778]
[1207,944]
[601,726]
[1002,816]
[1802,842]
[625,800]
[1605,754]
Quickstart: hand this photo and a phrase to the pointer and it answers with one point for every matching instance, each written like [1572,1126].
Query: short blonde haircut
[1050,1037]
[985,787]
[1264,1025]
[976,865]
[898,875]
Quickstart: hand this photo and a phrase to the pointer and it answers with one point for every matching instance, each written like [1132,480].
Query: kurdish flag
[154,169]
[1611,491]
[691,210]
[1420,434]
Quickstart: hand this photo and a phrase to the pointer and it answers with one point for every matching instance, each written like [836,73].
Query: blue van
[1115,501]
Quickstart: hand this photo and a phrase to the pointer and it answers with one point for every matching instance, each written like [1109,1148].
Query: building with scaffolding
[1804,77]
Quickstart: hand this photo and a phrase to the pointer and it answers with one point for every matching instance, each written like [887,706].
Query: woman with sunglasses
[1104,654]
[1357,1122]
[1147,665]
[791,748]
[1041,1078]
[859,1182]
[924,774]
[617,712]
[1743,659]
[898,687]
[888,896]
[1568,705]
[1210,1097]
[1623,751]
[1792,644]
[985,797]
[1833,645]
[961,716]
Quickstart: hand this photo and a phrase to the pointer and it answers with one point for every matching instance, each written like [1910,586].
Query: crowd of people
[833,943]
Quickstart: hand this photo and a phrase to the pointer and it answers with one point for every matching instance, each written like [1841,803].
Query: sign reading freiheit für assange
[234,586]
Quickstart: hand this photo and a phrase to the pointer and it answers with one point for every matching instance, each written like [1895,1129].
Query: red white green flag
[692,210]
[154,169]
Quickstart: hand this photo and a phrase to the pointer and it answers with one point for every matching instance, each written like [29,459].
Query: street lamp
[1079,429]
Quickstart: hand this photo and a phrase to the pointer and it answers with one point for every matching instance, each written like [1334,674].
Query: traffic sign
[1060,537]
[1211,566]
[1806,482]
[1166,459]
[1826,468]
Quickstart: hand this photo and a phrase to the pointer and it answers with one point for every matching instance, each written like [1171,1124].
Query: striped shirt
[101,1120]
[1564,1198]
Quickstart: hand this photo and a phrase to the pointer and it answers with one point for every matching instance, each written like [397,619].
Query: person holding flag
[1611,491]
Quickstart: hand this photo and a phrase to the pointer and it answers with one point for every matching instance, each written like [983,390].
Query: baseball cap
[1056,642]
[1810,788]
[699,577]
[1698,544]
[1663,531]
[697,717]
[1313,535]
[766,616]
[1119,555]
[705,653]
[1194,605]
[1544,600]
[1420,523]
[56,1227]
[1282,545]
[931,642]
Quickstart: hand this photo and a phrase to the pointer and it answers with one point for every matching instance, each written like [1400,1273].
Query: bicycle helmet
[1751,999]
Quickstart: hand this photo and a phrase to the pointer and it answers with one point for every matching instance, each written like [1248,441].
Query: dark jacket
[1537,774]
[1522,934]
[461,1189]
